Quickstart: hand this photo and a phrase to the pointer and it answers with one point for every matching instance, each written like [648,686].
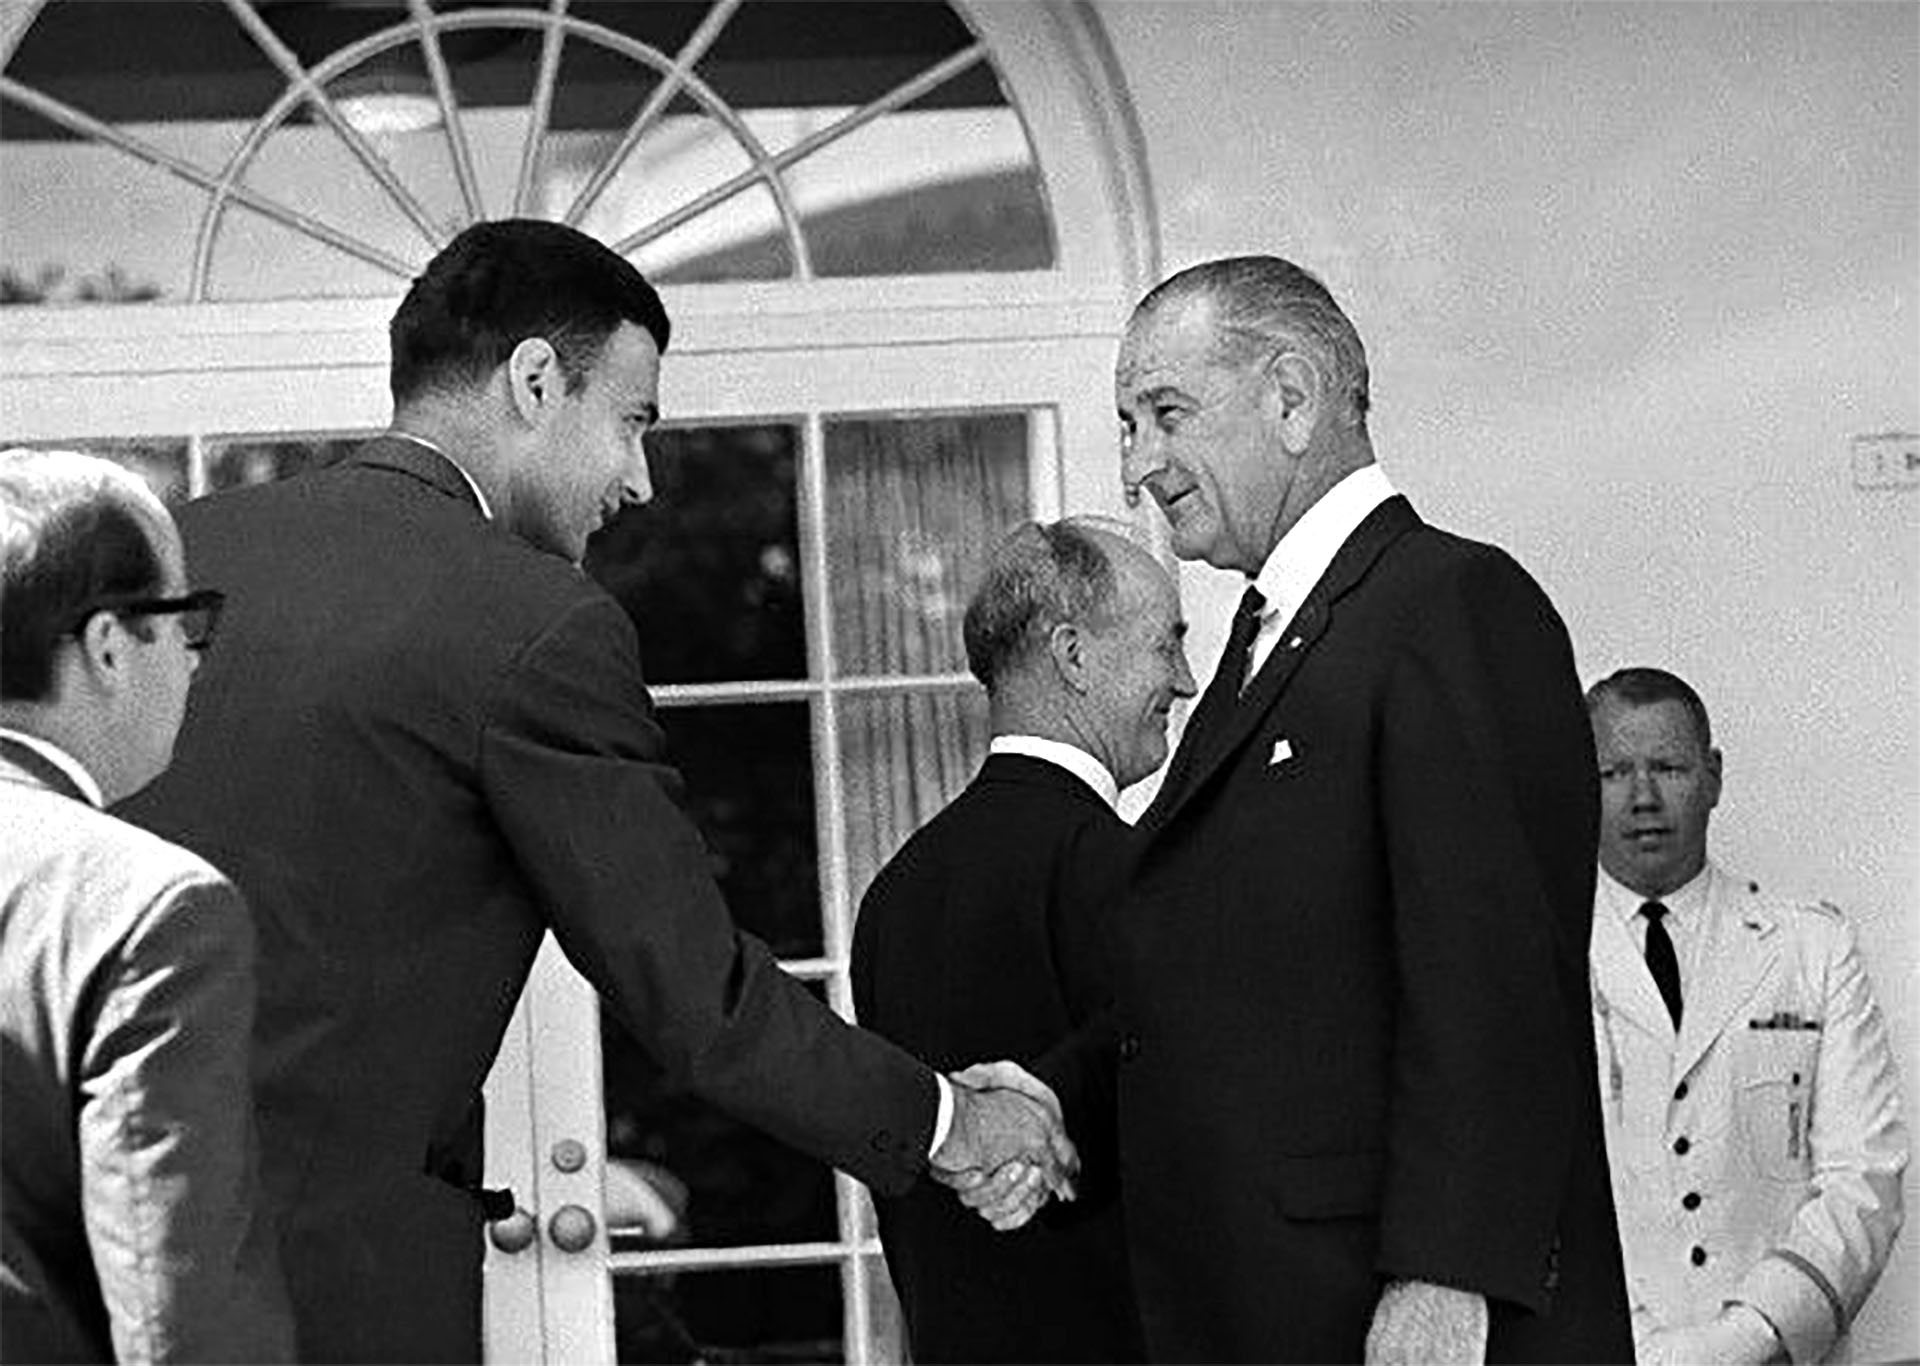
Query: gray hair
[74,529]
[1262,305]
[1041,575]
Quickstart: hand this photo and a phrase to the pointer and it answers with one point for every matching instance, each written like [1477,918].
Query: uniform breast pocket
[1773,1099]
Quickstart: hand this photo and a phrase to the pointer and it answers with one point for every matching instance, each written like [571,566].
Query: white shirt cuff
[944,1120]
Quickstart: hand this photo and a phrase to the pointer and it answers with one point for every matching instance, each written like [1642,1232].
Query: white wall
[1631,276]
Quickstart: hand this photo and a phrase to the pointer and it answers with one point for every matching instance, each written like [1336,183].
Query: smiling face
[588,458]
[1658,788]
[1202,437]
[1137,665]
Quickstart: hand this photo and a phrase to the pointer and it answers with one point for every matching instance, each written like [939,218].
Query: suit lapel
[1741,944]
[1217,732]
[418,461]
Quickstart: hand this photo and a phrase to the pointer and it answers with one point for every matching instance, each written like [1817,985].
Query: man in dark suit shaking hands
[984,937]
[1357,1111]
[428,743]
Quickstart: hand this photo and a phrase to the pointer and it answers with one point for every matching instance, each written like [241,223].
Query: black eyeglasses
[199,613]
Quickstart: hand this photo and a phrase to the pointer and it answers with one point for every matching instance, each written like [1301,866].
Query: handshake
[1006,1151]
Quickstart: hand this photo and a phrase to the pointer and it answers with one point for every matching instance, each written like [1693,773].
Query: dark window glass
[710,570]
[772,1314]
[741,1186]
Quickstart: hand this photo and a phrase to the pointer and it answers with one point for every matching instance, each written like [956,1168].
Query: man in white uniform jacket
[1752,1108]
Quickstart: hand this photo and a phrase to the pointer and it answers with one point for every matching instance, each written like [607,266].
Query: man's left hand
[1417,1323]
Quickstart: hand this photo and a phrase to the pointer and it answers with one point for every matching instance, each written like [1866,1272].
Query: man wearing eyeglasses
[129,1192]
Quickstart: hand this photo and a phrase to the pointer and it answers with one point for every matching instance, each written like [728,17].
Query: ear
[1068,649]
[534,379]
[1713,778]
[101,653]
[1295,391]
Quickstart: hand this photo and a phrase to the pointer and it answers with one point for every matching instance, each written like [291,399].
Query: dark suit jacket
[419,744]
[1352,978]
[983,939]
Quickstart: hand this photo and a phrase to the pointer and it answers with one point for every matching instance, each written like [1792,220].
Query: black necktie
[1661,960]
[1246,625]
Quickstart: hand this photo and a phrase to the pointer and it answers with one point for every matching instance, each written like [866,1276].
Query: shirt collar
[1309,546]
[60,759]
[1680,902]
[1072,758]
[486,508]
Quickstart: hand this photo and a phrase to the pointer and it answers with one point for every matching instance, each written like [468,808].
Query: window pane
[710,570]
[903,757]
[775,1314]
[105,224]
[749,772]
[948,182]
[742,1187]
[913,507]
[925,191]
[235,461]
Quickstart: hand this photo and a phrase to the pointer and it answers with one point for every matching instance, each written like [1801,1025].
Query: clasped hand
[1007,1151]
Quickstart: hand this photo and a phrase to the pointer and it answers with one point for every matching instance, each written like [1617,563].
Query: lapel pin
[1282,751]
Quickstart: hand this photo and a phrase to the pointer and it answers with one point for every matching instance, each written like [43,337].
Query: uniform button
[1130,1048]
[1698,1256]
[1691,1200]
[1680,1091]
[1680,1145]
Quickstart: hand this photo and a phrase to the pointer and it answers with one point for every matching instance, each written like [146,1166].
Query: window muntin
[740,140]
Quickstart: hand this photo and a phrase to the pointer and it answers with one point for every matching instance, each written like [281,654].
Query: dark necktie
[1661,960]
[1246,625]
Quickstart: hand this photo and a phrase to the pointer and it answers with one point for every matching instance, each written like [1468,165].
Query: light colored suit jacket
[1757,1155]
[130,1223]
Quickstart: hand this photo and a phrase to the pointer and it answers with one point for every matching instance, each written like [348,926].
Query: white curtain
[913,507]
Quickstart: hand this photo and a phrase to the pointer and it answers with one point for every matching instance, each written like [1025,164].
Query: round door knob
[572,1228]
[515,1233]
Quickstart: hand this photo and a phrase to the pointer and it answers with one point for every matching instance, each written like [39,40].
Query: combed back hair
[74,529]
[1264,305]
[499,283]
[1042,574]
[1642,687]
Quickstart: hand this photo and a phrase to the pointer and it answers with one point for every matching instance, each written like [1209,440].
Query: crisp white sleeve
[1814,1279]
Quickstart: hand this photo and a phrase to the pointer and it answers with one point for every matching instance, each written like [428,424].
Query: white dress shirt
[1299,562]
[1686,914]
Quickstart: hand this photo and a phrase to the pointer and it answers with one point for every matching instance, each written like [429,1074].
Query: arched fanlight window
[303,148]
[896,237]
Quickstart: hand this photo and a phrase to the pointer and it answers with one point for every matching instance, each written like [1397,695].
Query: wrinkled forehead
[1173,337]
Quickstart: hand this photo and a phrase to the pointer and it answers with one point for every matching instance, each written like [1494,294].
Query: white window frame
[784,350]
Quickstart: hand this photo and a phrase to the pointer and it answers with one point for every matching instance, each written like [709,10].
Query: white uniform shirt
[1756,1155]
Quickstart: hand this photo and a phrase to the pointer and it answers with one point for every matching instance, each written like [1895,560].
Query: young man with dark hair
[431,745]
[129,1190]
